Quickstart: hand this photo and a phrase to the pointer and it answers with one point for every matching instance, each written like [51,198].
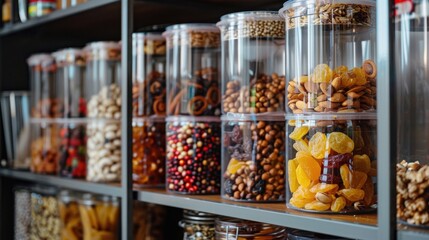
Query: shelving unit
[116,20]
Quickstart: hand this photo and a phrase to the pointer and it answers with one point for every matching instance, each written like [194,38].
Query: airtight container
[230,228]
[71,224]
[330,56]
[44,146]
[253,157]
[149,221]
[198,225]
[253,62]
[72,141]
[193,68]
[332,163]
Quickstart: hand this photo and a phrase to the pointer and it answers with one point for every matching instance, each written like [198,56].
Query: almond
[311,87]
[300,105]
[354,95]
[337,98]
[357,89]
[326,88]
[336,83]
[322,98]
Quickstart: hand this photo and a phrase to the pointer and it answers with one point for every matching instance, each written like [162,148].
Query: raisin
[310,166]
[358,179]
[317,145]
[302,177]
[299,132]
[316,205]
[362,163]
[352,195]
[324,187]
[293,181]
[259,187]
[345,175]
[340,142]
[322,73]
[338,204]
[227,186]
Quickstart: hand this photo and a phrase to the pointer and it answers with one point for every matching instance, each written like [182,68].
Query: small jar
[149,84]
[332,163]
[253,158]
[71,225]
[198,225]
[45,218]
[253,50]
[330,60]
[22,213]
[149,151]
[193,155]
[38,8]
[193,61]
[149,221]
[303,235]
[100,217]
[231,229]
[44,102]
[44,146]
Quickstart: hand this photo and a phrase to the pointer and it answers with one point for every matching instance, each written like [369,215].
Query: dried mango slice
[345,175]
[352,195]
[299,132]
[318,206]
[301,145]
[362,163]
[358,179]
[339,204]
[310,166]
[302,177]
[292,179]
[322,73]
[324,187]
[340,142]
[368,188]
[317,145]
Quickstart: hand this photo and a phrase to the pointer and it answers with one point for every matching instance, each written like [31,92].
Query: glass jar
[44,146]
[22,213]
[149,151]
[100,217]
[411,95]
[149,221]
[44,102]
[330,56]
[38,8]
[253,157]
[71,225]
[232,229]
[72,148]
[303,235]
[45,223]
[149,84]
[332,161]
[198,225]
[193,155]
[104,110]
[253,50]
[193,61]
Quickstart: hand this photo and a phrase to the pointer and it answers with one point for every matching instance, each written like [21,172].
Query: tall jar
[411,103]
[71,224]
[198,225]
[70,80]
[104,111]
[22,213]
[332,163]
[45,141]
[253,62]
[330,56]
[253,158]
[230,228]
[193,62]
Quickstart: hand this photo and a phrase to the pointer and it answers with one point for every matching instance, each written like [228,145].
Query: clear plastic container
[38,8]
[198,225]
[253,158]
[253,50]
[22,213]
[332,163]
[193,155]
[149,221]
[71,224]
[149,151]
[149,84]
[45,218]
[330,56]
[230,228]
[44,146]
[193,61]
[100,217]
[72,148]
[411,103]
[44,102]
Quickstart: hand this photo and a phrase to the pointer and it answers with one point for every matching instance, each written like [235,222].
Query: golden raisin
[293,181]
[299,202]
[305,193]
[345,175]
[299,132]
[318,206]
[301,145]
[234,165]
[340,70]
[302,177]
[358,179]
[317,145]
[324,187]
[322,73]
[338,204]
[352,195]
[310,166]
[362,163]
[340,142]
[359,75]
[368,188]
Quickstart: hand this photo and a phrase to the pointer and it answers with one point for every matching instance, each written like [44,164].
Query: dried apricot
[368,188]
[293,181]
[352,195]
[317,145]
[299,132]
[302,177]
[301,145]
[234,165]
[340,142]
[338,204]
[362,163]
[324,187]
[310,166]
[345,175]
[299,202]
[316,205]
[358,179]
[302,192]
[322,73]
[359,75]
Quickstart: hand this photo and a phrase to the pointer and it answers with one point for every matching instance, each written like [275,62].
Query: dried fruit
[299,132]
[310,166]
[347,80]
[302,192]
[359,75]
[324,187]
[299,202]
[259,187]
[302,177]
[234,165]
[338,204]
[322,73]
[358,179]
[292,179]
[368,188]
[340,70]
[316,205]
[301,145]
[228,186]
[362,163]
[345,175]
[352,195]
[317,145]
[340,142]
[301,79]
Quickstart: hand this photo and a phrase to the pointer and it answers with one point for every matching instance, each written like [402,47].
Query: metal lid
[232,227]
[67,196]
[69,56]
[198,216]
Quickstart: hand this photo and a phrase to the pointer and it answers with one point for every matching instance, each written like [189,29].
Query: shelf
[405,232]
[74,184]
[358,226]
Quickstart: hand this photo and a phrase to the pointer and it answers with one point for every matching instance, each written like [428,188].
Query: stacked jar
[104,111]
[193,109]
[198,225]
[253,93]
[149,95]
[331,102]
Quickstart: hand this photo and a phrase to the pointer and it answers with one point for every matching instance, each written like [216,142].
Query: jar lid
[44,190]
[40,59]
[141,36]
[69,56]
[275,117]
[187,27]
[67,196]
[198,216]
[237,227]
[249,16]
[103,51]
[87,199]
[160,28]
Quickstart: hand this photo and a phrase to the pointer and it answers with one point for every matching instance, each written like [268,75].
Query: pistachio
[323,197]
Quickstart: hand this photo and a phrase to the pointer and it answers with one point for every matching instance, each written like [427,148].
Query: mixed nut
[45,224]
[44,149]
[198,225]
[195,38]
[261,28]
